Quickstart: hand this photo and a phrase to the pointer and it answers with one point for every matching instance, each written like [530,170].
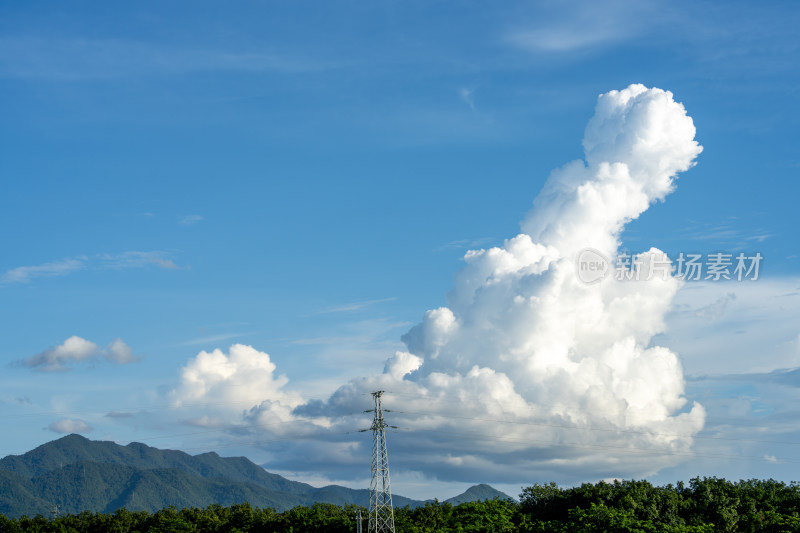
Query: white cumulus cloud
[230,387]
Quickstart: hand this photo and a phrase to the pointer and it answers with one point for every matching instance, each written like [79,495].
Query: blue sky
[305,178]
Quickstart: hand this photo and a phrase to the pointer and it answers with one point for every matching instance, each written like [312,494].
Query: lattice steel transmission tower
[381,513]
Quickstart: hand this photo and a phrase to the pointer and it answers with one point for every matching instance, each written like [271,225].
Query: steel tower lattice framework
[381,513]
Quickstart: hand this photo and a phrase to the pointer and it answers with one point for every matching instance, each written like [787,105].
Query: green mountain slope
[79,474]
[74,448]
[18,496]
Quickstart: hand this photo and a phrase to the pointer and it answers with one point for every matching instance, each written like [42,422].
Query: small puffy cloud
[24,274]
[119,352]
[77,350]
[74,350]
[190,220]
[67,425]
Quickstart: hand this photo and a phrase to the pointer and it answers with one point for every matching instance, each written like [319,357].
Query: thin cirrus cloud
[751,326]
[24,274]
[63,267]
[574,26]
[211,339]
[354,306]
[463,244]
[108,59]
[467,96]
[135,259]
[77,350]
[119,414]
[190,220]
[566,38]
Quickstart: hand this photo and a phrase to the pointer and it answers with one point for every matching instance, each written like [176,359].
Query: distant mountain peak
[480,492]
[71,438]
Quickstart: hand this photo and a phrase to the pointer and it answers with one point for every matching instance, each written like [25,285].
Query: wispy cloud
[464,244]
[354,306]
[715,310]
[573,26]
[729,232]
[190,220]
[104,59]
[328,340]
[24,274]
[118,414]
[119,261]
[467,96]
[744,326]
[135,259]
[212,339]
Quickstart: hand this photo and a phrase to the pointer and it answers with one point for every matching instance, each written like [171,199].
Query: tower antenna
[381,513]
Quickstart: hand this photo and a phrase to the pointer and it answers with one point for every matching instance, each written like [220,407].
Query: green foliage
[751,505]
[491,516]
[706,505]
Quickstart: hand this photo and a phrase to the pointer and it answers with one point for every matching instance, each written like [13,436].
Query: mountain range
[78,474]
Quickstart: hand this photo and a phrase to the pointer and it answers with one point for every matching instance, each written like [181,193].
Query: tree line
[702,505]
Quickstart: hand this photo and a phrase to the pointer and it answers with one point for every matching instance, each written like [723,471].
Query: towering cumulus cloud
[530,370]
[529,373]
